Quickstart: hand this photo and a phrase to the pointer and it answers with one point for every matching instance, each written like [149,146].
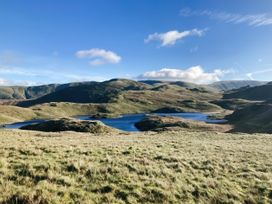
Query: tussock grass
[168,167]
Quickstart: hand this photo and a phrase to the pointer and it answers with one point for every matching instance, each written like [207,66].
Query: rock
[169,110]
[104,115]
[67,124]
[163,123]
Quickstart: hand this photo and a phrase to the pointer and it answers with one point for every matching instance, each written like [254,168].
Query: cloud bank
[171,37]
[255,20]
[193,74]
[99,56]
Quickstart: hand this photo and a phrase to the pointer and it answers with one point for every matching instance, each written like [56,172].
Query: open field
[168,167]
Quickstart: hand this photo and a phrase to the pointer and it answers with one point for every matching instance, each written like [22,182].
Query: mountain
[183,84]
[94,92]
[235,84]
[128,96]
[33,92]
[22,92]
[258,93]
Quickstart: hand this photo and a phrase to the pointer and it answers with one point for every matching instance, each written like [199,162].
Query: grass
[9,114]
[168,167]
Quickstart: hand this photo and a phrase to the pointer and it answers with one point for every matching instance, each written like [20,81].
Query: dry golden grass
[168,167]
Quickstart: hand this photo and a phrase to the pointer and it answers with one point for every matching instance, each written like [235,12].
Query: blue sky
[79,40]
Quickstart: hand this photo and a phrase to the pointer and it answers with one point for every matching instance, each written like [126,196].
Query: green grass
[169,167]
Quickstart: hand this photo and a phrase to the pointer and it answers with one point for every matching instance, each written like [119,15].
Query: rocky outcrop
[67,124]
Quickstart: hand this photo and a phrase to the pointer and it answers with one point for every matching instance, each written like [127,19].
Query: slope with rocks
[166,123]
[256,118]
[258,93]
[235,84]
[68,124]
[132,96]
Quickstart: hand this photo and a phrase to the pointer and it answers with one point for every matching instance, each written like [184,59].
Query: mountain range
[31,92]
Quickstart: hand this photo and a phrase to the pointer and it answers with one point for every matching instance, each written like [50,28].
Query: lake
[126,122]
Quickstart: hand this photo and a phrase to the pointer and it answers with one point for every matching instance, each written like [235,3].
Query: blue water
[126,122]
[21,124]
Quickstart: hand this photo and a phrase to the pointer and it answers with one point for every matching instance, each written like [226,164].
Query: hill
[22,92]
[256,118]
[102,92]
[258,93]
[183,84]
[130,96]
[235,84]
[33,92]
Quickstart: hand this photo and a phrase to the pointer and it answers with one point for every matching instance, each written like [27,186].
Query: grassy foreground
[168,167]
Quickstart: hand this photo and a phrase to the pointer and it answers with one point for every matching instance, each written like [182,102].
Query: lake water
[126,122]
[21,124]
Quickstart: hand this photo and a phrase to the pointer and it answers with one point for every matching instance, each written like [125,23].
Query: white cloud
[99,56]
[255,20]
[171,37]
[193,74]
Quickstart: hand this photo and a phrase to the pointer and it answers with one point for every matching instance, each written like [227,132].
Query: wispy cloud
[171,37]
[256,20]
[14,70]
[6,82]
[50,75]
[99,56]
[194,74]
[251,75]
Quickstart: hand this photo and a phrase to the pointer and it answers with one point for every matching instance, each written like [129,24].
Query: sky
[197,41]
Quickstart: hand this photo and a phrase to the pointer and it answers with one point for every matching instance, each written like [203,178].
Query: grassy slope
[258,93]
[171,167]
[9,114]
[30,92]
[253,119]
[139,96]
[235,84]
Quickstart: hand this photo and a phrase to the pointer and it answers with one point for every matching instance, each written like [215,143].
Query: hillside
[256,118]
[131,96]
[102,92]
[235,84]
[183,84]
[33,92]
[30,92]
[258,93]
